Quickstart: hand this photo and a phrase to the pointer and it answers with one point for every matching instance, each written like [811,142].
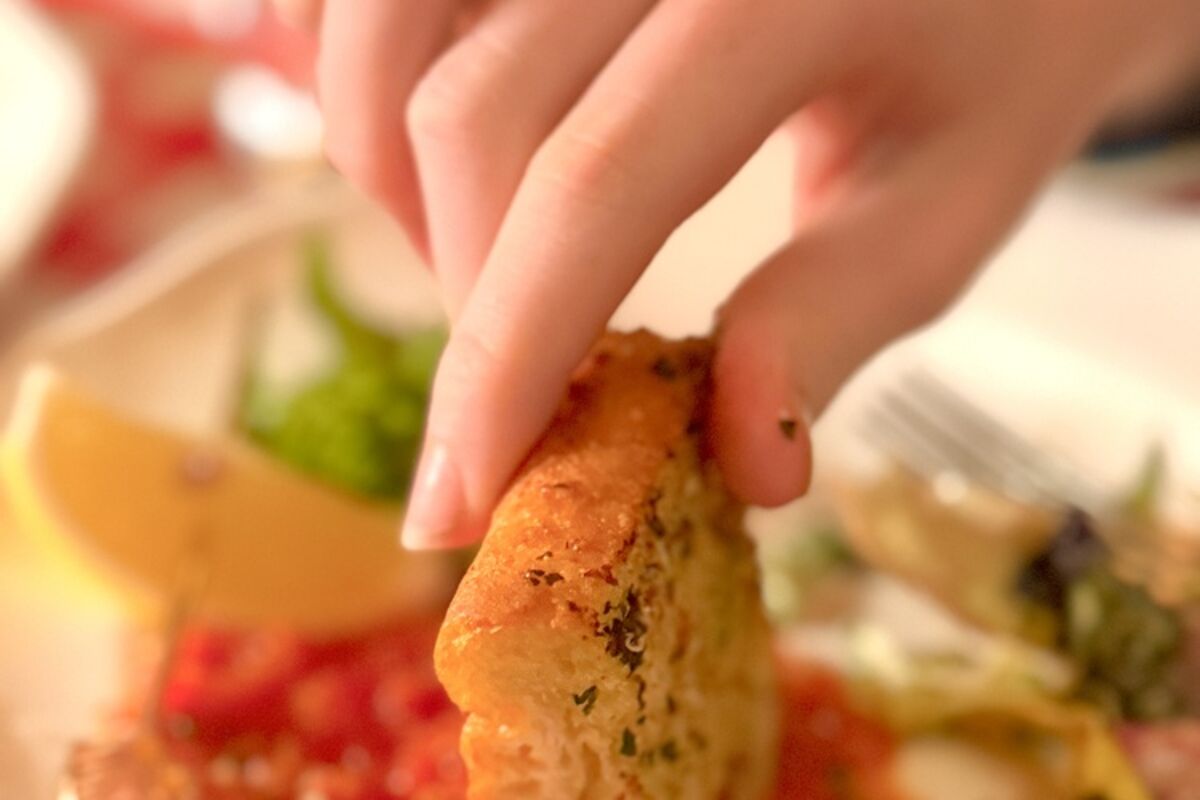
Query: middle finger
[485,107]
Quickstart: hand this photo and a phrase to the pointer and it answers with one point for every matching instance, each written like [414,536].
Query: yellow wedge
[143,506]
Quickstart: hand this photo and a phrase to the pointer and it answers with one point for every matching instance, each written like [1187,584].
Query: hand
[544,150]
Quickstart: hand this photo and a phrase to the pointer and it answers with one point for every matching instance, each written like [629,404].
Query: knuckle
[471,356]
[584,164]
[448,103]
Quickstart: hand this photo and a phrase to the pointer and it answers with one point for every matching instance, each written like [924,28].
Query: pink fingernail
[436,506]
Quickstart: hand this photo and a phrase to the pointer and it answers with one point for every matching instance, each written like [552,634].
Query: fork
[934,430]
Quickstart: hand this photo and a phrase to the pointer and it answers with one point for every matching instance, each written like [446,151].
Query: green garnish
[628,743]
[1129,649]
[1142,502]
[788,426]
[358,425]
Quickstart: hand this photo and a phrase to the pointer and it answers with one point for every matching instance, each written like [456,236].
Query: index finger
[649,143]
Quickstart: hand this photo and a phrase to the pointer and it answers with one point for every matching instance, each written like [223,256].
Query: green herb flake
[586,700]
[626,632]
[664,369]
[628,743]
[788,427]
[1143,500]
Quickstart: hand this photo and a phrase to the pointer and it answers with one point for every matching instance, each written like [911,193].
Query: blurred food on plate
[215,363]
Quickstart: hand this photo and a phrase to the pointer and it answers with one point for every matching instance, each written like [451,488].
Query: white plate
[46,106]
[164,338]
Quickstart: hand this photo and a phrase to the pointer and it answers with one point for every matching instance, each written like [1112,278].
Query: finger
[480,113]
[637,156]
[302,14]
[373,52]
[886,256]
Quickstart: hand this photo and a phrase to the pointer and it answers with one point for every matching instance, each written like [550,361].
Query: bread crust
[608,640]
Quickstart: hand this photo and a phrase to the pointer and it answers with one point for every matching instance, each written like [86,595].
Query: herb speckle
[788,426]
[605,574]
[625,633]
[628,743]
[652,519]
[669,750]
[586,700]
[537,576]
[664,369]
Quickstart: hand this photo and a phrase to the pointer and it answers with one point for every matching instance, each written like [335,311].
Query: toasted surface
[609,640]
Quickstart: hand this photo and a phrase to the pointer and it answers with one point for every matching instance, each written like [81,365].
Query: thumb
[887,255]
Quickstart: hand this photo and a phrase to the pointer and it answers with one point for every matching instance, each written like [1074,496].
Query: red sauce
[266,715]
[259,715]
[829,749]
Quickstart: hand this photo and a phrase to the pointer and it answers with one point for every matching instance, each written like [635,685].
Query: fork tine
[1052,476]
[896,439]
[959,451]
[933,429]
[986,434]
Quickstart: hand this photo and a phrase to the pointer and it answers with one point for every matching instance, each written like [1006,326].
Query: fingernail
[436,505]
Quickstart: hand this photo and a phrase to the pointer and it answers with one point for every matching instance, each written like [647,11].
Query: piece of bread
[609,640]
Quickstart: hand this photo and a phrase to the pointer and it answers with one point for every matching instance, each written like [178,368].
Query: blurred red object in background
[157,158]
[243,30]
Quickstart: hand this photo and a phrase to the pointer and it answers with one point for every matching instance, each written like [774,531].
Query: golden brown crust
[608,641]
[568,513]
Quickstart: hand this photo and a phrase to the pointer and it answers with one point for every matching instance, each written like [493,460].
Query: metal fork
[935,430]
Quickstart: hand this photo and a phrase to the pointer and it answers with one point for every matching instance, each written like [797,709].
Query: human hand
[543,152]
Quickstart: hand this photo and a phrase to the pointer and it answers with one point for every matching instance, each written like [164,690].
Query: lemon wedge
[139,505]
